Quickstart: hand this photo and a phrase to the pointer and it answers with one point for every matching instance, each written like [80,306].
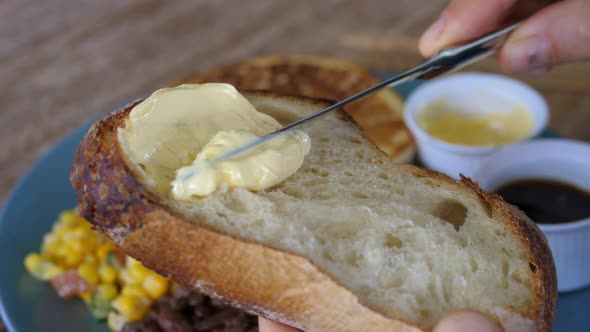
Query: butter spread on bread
[165,132]
[261,167]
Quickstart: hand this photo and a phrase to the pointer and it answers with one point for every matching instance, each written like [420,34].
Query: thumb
[464,20]
[467,321]
[557,34]
[266,325]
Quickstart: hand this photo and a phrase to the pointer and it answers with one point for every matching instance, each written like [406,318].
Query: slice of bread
[379,115]
[351,242]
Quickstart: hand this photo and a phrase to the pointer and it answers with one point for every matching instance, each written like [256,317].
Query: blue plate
[30,305]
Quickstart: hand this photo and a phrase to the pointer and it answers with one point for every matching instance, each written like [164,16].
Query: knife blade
[445,61]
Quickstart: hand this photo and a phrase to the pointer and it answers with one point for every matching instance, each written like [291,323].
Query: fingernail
[435,30]
[528,54]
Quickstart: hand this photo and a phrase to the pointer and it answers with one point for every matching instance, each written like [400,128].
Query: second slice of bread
[350,242]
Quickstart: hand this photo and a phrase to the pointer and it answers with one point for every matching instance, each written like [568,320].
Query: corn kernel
[87,246]
[135,290]
[106,292]
[130,261]
[90,260]
[86,225]
[33,260]
[59,231]
[49,251]
[107,273]
[34,264]
[86,296]
[51,270]
[131,307]
[89,272]
[115,322]
[40,267]
[59,256]
[50,244]
[77,234]
[69,218]
[74,245]
[125,278]
[70,258]
[103,251]
[138,271]
[156,285]
[50,238]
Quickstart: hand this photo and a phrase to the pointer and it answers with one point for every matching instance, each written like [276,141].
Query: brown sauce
[547,201]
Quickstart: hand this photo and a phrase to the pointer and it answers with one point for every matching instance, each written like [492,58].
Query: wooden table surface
[64,62]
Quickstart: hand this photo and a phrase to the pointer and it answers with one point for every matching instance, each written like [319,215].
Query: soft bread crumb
[407,246]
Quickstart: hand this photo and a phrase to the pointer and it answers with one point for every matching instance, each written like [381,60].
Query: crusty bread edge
[248,275]
[533,239]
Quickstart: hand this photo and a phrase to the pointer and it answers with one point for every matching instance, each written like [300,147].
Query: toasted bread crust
[255,278]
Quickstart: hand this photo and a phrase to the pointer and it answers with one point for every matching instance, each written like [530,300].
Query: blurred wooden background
[64,62]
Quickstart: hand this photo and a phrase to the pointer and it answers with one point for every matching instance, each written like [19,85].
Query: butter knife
[446,61]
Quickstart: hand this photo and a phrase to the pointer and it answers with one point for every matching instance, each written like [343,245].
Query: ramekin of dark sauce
[549,179]
[547,201]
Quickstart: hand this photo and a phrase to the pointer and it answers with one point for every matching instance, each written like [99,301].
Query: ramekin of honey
[461,119]
[549,179]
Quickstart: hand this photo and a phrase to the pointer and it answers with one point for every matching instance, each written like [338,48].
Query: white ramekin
[558,159]
[480,93]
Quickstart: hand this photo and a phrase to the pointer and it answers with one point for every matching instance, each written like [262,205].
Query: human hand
[557,33]
[459,321]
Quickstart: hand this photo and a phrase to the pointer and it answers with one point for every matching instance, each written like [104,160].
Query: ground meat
[193,312]
[69,284]
[142,326]
[172,321]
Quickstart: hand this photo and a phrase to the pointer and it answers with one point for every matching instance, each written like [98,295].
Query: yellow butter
[477,129]
[174,131]
[262,167]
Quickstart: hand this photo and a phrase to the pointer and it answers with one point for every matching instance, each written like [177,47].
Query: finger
[266,325]
[467,321]
[464,20]
[557,34]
